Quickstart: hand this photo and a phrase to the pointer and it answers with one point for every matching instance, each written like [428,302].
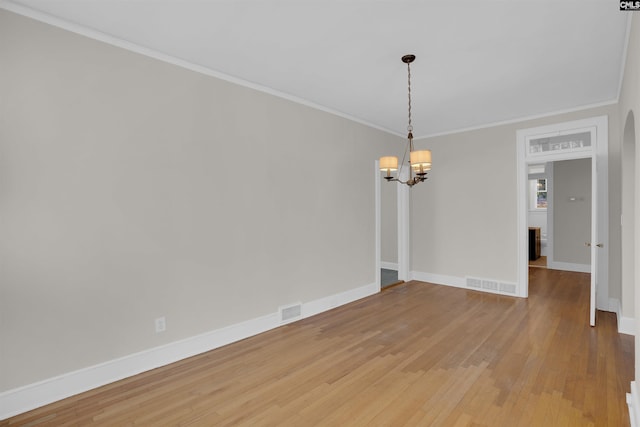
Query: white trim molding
[522,119]
[332,301]
[461,282]
[160,56]
[389,265]
[31,396]
[378,218]
[151,53]
[634,405]
[439,279]
[404,228]
[598,127]
[626,325]
[568,266]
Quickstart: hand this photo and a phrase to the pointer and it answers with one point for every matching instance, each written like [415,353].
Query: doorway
[559,216]
[401,207]
[570,221]
[580,139]
[539,201]
[389,234]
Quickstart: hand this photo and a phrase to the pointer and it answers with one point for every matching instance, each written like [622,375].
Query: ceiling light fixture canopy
[419,160]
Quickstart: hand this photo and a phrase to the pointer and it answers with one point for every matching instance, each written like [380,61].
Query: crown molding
[133,47]
[152,53]
[521,119]
[623,63]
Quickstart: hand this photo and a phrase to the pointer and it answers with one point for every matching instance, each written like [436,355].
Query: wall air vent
[290,313]
[490,284]
[474,283]
[509,288]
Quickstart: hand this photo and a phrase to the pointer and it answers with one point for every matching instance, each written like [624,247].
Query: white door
[599,225]
[594,241]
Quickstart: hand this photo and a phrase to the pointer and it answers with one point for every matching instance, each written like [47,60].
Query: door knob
[587,244]
[600,245]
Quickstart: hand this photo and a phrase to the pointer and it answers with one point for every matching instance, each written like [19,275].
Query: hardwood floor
[416,354]
[540,262]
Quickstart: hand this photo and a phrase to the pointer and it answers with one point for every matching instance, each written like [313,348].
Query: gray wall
[628,213]
[465,216]
[132,189]
[630,102]
[572,211]
[466,210]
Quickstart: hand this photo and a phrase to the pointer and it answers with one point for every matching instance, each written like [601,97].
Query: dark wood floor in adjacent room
[416,354]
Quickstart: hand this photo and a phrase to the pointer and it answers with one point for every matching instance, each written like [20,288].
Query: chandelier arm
[410,182]
[408,148]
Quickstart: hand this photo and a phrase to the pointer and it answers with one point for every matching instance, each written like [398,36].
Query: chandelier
[419,160]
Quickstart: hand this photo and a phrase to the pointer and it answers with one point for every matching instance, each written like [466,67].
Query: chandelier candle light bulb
[388,163]
[419,160]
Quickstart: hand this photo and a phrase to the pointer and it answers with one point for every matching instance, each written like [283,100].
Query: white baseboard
[389,265]
[459,282]
[568,266]
[615,307]
[626,325]
[634,405]
[31,396]
[327,303]
[438,279]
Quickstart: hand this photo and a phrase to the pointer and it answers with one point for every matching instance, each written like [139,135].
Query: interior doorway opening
[559,216]
[389,234]
[580,139]
[539,190]
[392,222]
[389,253]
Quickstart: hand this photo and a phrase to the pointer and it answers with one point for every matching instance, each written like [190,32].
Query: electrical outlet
[161,324]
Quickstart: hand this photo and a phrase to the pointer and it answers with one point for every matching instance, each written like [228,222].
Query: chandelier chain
[409,127]
[419,163]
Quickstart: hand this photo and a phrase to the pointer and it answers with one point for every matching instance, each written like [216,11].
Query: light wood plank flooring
[416,355]
[540,262]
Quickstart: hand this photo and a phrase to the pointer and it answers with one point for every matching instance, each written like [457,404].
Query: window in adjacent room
[538,198]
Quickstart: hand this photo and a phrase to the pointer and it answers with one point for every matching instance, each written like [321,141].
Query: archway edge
[628,304]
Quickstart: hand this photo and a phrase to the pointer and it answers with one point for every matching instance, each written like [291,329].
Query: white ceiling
[478,61]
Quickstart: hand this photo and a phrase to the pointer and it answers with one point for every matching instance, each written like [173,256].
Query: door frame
[402,223]
[600,202]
